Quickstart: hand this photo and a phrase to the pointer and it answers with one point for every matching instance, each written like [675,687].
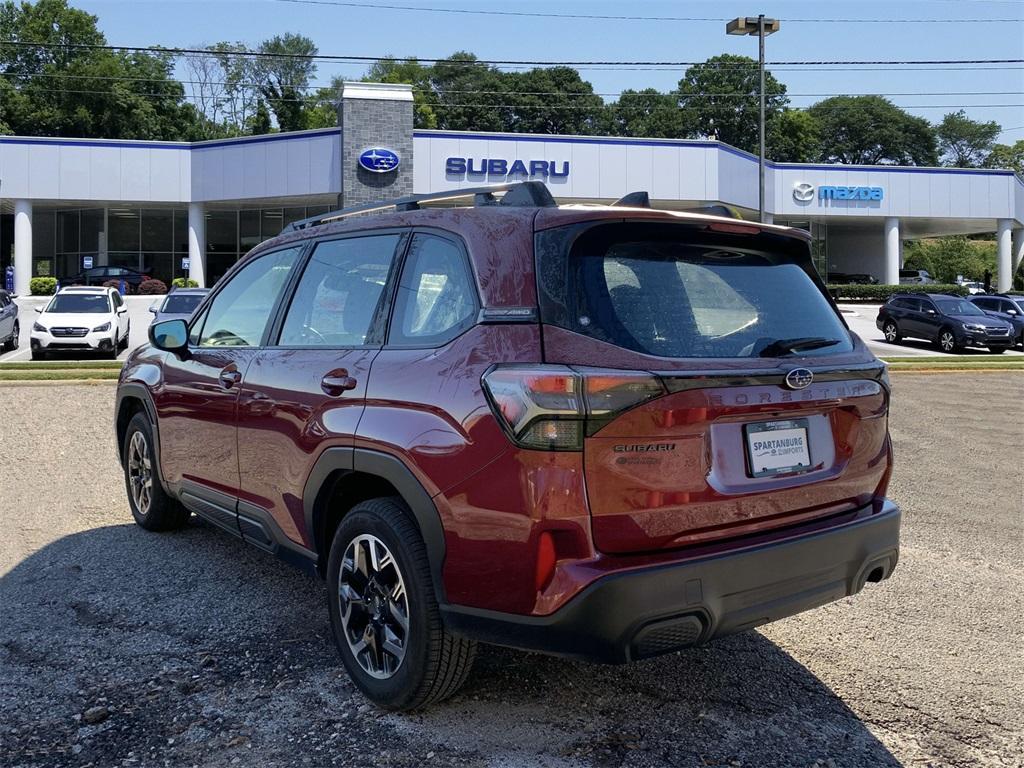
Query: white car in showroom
[84,319]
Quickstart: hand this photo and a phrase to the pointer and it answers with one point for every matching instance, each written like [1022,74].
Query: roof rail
[715,210]
[520,194]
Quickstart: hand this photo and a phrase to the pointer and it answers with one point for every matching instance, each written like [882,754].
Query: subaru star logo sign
[379,159]
[803,192]
[799,378]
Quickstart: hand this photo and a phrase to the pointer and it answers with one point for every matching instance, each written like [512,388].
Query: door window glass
[339,293]
[239,313]
[436,299]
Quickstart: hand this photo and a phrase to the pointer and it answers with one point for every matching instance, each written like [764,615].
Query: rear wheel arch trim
[392,469]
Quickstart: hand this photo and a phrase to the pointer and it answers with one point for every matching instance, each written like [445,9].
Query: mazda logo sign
[803,192]
[799,378]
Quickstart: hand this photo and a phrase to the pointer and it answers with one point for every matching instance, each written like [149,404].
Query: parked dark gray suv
[950,322]
[1009,309]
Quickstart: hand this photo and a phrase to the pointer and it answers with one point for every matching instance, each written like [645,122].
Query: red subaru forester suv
[605,432]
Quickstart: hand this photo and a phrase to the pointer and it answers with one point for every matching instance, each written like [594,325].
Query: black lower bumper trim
[623,617]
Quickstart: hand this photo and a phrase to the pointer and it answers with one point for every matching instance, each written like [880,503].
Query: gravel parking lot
[119,647]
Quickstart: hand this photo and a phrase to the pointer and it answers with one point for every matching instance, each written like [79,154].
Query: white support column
[1003,255]
[769,218]
[197,243]
[22,246]
[892,251]
[1016,249]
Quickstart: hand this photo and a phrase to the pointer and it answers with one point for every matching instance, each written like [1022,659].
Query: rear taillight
[553,407]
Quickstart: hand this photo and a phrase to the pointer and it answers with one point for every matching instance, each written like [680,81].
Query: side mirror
[153,309]
[1012,312]
[930,311]
[122,309]
[169,335]
[39,310]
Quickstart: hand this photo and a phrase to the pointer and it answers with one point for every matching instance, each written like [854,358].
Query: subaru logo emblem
[378,159]
[799,378]
[803,192]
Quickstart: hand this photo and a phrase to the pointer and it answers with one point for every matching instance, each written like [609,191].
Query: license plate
[777,447]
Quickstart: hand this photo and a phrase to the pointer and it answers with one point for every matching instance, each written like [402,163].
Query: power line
[247,53]
[570,94]
[601,17]
[488,105]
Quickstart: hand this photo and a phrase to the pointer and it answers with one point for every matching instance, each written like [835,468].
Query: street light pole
[760,154]
[762,27]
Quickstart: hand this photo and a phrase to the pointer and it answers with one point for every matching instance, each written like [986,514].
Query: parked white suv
[84,319]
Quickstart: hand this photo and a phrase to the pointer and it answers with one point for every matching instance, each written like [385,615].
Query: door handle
[337,383]
[229,377]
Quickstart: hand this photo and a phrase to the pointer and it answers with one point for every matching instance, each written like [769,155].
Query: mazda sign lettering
[379,159]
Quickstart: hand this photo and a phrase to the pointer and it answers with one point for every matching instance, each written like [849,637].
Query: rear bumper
[646,612]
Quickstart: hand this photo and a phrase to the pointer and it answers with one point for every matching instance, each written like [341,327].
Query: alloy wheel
[140,472]
[890,333]
[946,341]
[374,607]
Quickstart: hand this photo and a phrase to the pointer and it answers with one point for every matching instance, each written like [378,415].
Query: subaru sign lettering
[379,159]
[850,193]
[458,166]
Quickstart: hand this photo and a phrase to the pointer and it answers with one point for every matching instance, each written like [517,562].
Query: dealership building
[174,209]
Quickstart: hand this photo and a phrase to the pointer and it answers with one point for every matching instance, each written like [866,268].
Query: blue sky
[373,32]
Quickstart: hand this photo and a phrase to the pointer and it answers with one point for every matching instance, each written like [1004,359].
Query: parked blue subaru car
[1007,308]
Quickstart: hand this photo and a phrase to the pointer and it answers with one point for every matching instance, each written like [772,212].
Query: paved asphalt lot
[121,647]
[860,318]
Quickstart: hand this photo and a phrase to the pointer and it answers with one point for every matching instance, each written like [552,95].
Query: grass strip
[62,375]
[958,359]
[59,365]
[935,367]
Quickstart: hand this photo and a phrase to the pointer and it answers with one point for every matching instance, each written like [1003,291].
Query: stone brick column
[375,115]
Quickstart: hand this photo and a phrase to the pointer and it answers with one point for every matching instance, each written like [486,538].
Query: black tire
[12,343]
[997,350]
[162,513]
[891,331]
[947,341]
[38,354]
[435,663]
[123,344]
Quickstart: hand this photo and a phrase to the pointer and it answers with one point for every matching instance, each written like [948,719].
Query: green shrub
[42,286]
[184,282]
[152,287]
[947,257]
[883,292]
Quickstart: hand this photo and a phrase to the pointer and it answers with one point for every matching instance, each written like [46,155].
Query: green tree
[259,123]
[392,70]
[647,113]
[947,258]
[720,100]
[872,130]
[66,90]
[965,143]
[1007,156]
[552,100]
[284,73]
[794,136]
[470,96]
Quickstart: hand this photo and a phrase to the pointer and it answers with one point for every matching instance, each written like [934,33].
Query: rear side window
[436,297]
[672,292]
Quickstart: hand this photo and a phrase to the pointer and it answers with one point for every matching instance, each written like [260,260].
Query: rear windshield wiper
[791,346]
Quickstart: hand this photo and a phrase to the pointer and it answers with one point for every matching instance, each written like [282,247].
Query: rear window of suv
[672,292]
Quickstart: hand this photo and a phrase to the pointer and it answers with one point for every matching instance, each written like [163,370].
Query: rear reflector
[545,560]
[552,407]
